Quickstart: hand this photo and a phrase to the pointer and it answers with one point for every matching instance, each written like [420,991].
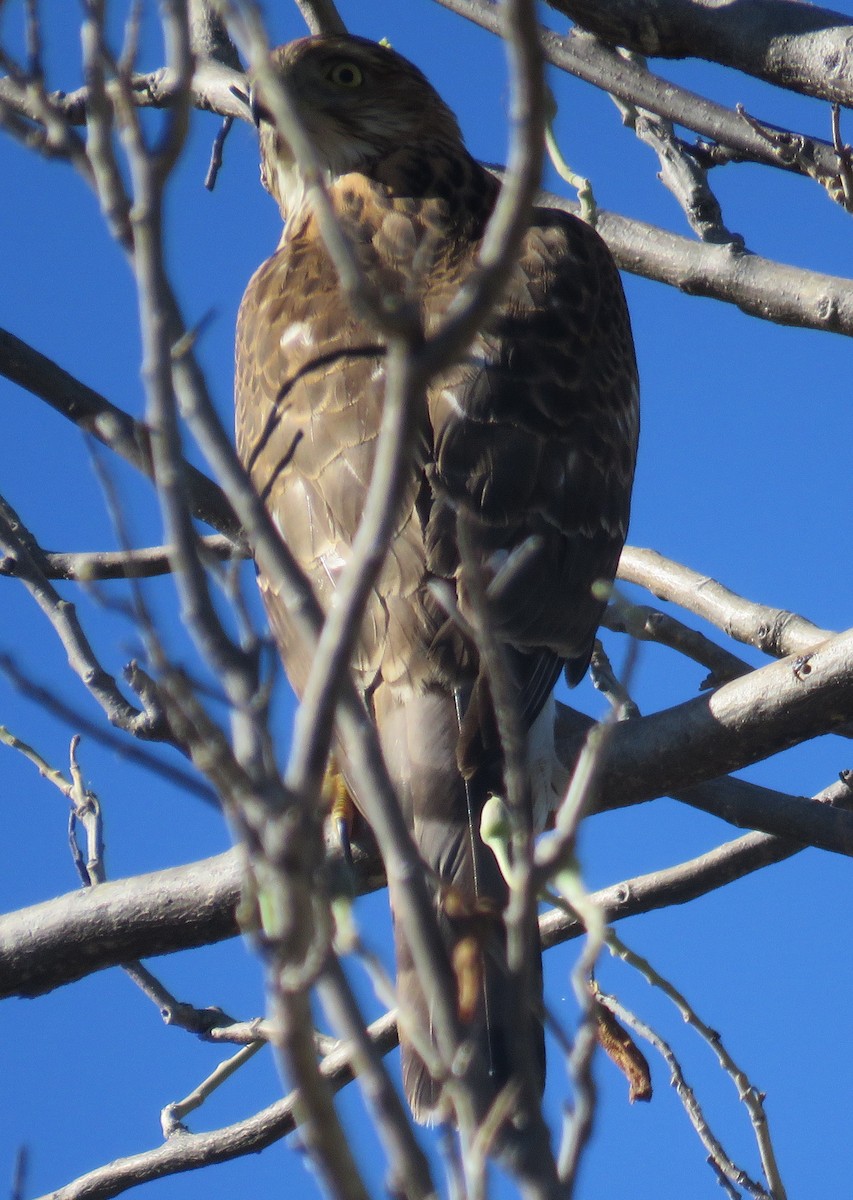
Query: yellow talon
[341,806]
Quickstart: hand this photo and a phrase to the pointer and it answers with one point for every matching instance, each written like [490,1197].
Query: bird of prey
[528,440]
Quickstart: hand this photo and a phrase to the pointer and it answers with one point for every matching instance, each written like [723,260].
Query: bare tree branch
[683,752]
[772,630]
[772,291]
[743,721]
[675,885]
[766,289]
[651,625]
[23,558]
[124,747]
[321,16]
[409,1169]
[188,1152]
[58,941]
[111,425]
[681,173]
[87,566]
[587,58]
[797,46]
[209,37]
[717,1155]
[748,1093]
[65,939]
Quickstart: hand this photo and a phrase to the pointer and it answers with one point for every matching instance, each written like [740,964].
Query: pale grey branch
[798,46]
[774,631]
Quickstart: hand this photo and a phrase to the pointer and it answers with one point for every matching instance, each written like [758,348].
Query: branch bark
[759,286]
[740,723]
[54,943]
[797,46]
[774,631]
[59,941]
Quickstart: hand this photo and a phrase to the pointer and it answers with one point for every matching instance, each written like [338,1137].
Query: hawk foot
[341,808]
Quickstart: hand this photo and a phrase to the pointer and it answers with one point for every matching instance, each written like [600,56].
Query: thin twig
[680,172]
[651,625]
[410,1172]
[85,811]
[749,1094]
[556,865]
[95,731]
[716,1151]
[222,1145]
[88,566]
[606,681]
[51,774]
[20,546]
[171,1117]
[216,153]
[19,1174]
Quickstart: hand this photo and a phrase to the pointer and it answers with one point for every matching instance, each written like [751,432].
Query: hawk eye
[346,74]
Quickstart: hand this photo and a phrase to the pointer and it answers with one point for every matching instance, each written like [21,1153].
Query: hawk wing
[535,435]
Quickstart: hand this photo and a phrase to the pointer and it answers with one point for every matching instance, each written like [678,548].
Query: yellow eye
[346,74]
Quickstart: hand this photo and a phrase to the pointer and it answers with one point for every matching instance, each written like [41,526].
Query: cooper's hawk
[529,439]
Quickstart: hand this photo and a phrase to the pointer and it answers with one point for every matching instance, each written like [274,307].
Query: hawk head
[360,102]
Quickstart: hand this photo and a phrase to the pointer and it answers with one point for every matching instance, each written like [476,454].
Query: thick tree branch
[797,46]
[763,288]
[59,941]
[746,805]
[218,88]
[685,882]
[47,945]
[209,37]
[759,286]
[740,723]
[750,806]
[215,88]
[321,16]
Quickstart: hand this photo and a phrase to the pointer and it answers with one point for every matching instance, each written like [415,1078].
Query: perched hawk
[530,439]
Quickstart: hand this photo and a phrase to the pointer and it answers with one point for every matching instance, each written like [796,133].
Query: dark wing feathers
[535,432]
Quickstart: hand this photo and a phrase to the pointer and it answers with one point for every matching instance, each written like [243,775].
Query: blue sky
[743,474]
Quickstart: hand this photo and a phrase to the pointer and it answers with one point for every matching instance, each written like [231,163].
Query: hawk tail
[420,739]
